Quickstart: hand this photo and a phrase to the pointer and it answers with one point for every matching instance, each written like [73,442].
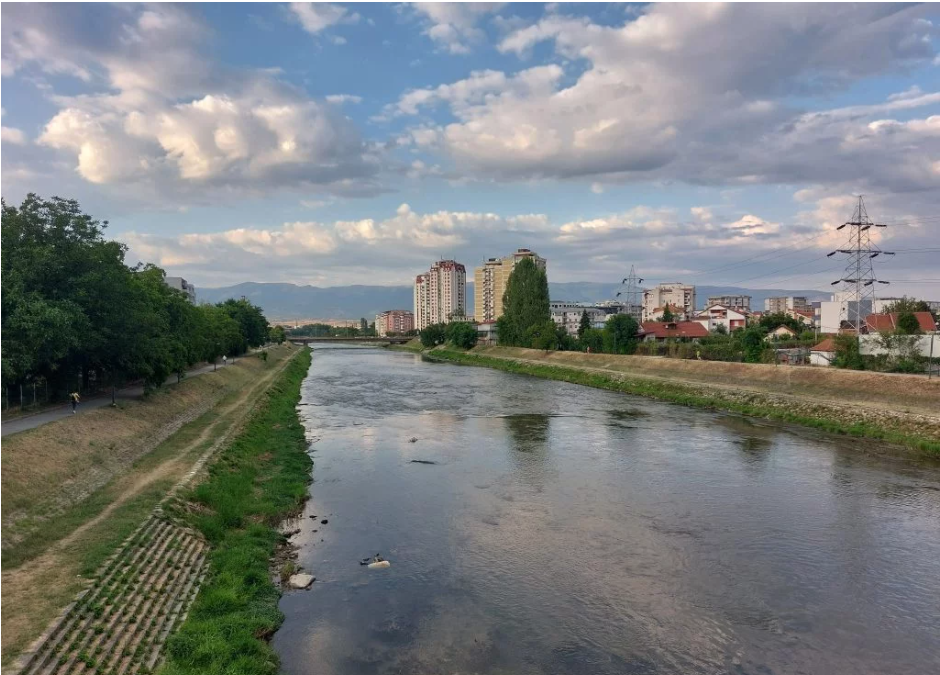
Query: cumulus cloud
[174,122]
[669,95]
[13,135]
[315,17]
[454,26]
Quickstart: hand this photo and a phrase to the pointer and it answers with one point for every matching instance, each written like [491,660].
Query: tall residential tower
[490,280]
[440,294]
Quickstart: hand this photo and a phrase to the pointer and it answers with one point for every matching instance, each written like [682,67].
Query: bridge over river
[394,340]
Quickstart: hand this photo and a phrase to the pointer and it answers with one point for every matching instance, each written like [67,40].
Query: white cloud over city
[144,106]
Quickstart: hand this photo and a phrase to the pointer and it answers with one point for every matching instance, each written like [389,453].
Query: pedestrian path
[19,424]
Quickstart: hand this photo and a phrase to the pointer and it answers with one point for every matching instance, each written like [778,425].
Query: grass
[685,395]
[252,485]
[413,345]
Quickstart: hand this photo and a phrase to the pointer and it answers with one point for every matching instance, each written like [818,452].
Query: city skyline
[248,143]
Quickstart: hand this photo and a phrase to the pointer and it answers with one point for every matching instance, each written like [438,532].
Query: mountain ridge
[286,301]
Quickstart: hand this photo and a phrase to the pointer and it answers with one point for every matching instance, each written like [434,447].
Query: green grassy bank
[810,414]
[252,485]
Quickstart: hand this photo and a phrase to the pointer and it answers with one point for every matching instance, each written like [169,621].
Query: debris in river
[376,562]
[301,580]
[324,521]
[422,461]
[413,439]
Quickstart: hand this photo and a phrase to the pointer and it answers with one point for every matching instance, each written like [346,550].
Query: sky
[333,144]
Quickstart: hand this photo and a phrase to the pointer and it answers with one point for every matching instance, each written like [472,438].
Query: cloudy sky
[333,144]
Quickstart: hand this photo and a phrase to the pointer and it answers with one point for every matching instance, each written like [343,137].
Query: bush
[461,334]
[433,335]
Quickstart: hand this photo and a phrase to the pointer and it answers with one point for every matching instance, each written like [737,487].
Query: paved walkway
[19,424]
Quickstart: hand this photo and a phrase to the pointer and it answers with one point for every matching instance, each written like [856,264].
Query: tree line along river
[553,528]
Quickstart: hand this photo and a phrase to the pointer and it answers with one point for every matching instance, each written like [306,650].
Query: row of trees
[361,328]
[74,313]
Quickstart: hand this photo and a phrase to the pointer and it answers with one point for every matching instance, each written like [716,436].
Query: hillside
[289,301]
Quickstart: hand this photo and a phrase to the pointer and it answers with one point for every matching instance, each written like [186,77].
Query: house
[721,315]
[823,353]
[781,333]
[673,330]
[888,323]
[804,316]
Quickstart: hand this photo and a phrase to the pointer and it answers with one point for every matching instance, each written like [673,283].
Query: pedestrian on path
[224,360]
[75,400]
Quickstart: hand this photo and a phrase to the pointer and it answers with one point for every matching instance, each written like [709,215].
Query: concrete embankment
[75,489]
[902,409]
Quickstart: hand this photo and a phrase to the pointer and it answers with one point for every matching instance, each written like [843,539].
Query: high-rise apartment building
[180,284]
[780,305]
[737,302]
[394,321]
[672,294]
[440,294]
[490,281]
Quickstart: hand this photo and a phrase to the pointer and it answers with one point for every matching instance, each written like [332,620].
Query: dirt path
[29,604]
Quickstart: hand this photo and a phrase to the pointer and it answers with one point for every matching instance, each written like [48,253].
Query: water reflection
[569,530]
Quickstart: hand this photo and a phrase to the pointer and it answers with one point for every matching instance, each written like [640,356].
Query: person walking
[224,360]
[75,400]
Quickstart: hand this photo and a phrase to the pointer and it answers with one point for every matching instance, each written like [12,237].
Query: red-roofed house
[720,315]
[678,313]
[888,323]
[660,330]
[823,353]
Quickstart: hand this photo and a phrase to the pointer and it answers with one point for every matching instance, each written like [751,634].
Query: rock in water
[381,565]
[301,580]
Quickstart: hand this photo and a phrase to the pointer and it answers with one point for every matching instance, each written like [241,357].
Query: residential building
[678,313]
[780,305]
[840,313]
[568,315]
[673,330]
[677,294]
[781,333]
[888,323]
[440,294]
[490,281]
[737,302]
[804,316]
[486,333]
[823,353]
[394,321]
[720,315]
[180,284]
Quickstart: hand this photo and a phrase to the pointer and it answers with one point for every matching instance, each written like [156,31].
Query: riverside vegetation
[257,481]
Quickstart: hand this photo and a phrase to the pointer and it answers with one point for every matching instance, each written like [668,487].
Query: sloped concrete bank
[903,410]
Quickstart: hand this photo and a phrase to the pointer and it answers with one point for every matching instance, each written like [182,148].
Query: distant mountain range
[283,302]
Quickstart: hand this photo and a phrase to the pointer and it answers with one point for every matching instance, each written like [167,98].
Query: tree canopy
[73,310]
[525,305]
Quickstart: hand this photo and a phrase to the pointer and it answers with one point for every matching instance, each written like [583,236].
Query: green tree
[668,316]
[621,331]
[907,304]
[584,324]
[908,324]
[525,304]
[461,334]
[433,335]
[277,335]
[364,326]
[752,341]
[542,335]
[593,338]
[770,322]
[847,354]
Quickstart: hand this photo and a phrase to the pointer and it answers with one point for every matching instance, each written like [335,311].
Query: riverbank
[75,489]
[256,482]
[897,409]
[413,345]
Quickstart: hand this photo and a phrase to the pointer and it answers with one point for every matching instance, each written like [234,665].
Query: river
[563,529]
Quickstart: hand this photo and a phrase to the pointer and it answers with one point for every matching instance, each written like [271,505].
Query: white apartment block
[780,305]
[731,301]
[840,311]
[180,284]
[673,294]
[568,315]
[490,281]
[440,294]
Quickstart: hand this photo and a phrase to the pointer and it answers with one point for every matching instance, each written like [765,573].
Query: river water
[563,529]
